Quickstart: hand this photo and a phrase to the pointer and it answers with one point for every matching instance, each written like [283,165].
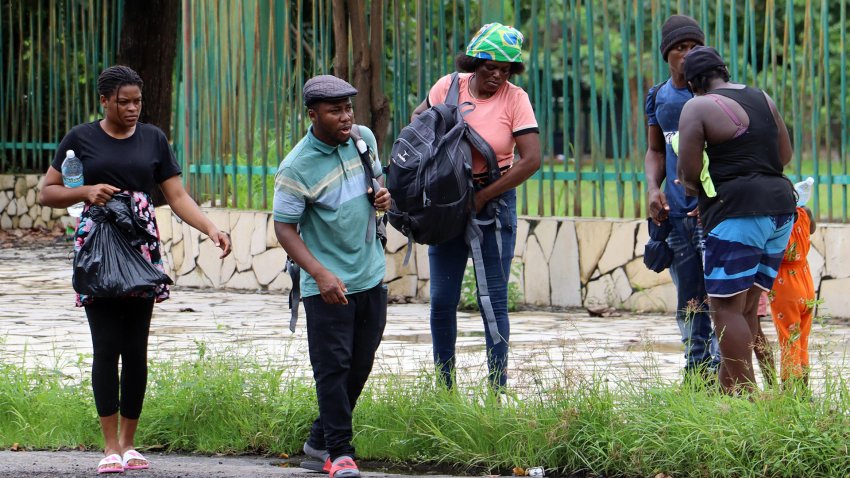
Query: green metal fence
[589,64]
[51,52]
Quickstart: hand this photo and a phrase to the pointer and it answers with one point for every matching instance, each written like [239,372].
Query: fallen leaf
[519,471]
[283,455]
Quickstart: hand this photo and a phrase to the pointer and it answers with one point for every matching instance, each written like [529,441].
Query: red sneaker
[344,467]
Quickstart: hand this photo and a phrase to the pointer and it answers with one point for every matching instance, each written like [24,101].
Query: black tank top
[746,170]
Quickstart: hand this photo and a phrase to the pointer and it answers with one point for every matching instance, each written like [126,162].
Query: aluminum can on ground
[536,472]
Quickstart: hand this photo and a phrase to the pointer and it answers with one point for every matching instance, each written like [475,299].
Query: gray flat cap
[326,87]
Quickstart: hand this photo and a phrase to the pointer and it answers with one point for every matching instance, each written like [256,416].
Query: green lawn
[627,199]
[558,198]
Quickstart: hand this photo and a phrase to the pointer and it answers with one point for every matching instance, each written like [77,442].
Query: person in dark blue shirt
[664,103]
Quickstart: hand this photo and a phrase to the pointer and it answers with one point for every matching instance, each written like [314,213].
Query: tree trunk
[148,45]
[340,25]
[362,62]
[380,106]
[371,106]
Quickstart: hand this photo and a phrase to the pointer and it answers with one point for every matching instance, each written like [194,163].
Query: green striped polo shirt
[323,189]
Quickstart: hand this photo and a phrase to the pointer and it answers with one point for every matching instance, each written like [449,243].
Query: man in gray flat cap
[324,187]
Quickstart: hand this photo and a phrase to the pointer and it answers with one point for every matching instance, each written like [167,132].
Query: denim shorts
[744,251]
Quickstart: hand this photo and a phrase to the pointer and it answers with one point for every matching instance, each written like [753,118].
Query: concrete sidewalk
[39,326]
[48,464]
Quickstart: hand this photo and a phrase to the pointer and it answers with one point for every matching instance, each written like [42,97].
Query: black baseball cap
[701,59]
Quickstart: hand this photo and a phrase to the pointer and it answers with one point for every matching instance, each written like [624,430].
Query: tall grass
[237,404]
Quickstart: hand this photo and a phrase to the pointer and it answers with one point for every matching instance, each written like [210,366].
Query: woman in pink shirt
[503,116]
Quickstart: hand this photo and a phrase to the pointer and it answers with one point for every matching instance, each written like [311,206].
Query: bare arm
[655,172]
[691,146]
[419,109]
[330,287]
[529,153]
[784,139]
[186,209]
[55,194]
[812,224]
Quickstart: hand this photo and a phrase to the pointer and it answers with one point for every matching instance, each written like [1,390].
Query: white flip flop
[113,459]
[134,455]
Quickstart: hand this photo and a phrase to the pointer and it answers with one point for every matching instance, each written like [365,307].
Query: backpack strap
[295,292]
[655,90]
[483,147]
[473,238]
[378,227]
[294,271]
[453,96]
[365,159]
[473,233]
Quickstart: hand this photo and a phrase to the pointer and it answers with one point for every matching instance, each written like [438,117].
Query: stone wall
[19,208]
[562,262]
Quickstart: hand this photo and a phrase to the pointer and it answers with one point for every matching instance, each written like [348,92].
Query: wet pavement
[40,326]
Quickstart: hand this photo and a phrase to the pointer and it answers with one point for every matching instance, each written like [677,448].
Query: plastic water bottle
[72,176]
[804,190]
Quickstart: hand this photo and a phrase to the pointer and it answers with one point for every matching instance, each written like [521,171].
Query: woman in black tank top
[745,214]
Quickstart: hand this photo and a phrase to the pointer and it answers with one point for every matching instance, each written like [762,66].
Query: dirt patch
[32,238]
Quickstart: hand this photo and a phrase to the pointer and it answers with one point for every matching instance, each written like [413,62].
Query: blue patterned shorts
[744,251]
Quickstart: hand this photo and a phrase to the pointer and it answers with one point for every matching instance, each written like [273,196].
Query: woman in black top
[748,213]
[120,154]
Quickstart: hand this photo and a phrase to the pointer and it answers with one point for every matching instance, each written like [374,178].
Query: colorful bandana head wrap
[496,42]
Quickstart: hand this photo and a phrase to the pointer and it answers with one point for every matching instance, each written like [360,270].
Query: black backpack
[430,180]
[430,172]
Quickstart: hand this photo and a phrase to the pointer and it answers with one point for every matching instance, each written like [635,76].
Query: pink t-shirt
[497,119]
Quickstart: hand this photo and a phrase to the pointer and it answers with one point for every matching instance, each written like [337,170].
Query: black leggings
[119,328]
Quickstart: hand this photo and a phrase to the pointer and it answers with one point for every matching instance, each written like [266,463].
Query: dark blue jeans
[692,315]
[448,263]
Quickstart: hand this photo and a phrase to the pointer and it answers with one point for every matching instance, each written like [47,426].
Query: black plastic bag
[109,263]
